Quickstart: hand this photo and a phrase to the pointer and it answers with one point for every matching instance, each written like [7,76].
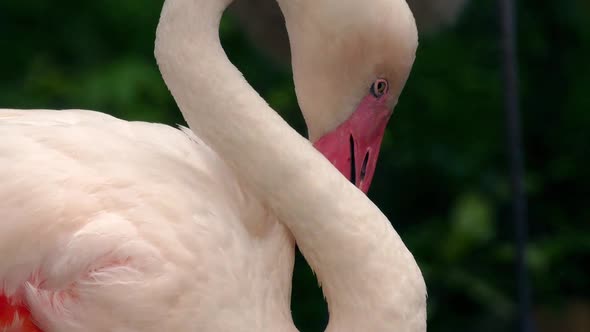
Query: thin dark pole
[515,148]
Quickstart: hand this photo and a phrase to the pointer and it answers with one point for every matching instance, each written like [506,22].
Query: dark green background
[442,178]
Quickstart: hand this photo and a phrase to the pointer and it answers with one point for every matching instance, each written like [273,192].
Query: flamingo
[108,225]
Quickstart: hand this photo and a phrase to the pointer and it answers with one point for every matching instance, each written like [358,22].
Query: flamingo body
[115,211]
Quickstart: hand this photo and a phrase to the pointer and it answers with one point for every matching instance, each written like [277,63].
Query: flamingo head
[351,59]
[354,145]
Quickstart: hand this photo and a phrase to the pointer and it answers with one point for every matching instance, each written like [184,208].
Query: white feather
[111,227]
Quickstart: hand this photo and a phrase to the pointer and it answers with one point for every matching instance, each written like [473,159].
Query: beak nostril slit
[364,166]
[352,161]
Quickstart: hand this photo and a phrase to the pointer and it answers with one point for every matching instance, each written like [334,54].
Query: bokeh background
[442,178]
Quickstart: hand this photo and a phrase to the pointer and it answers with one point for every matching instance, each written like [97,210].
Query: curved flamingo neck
[370,279]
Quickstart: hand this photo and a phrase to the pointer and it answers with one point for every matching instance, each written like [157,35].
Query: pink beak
[353,147]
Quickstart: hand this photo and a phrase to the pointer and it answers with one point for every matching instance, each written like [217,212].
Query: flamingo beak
[353,147]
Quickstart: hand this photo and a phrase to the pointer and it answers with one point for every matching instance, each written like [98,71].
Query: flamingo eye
[379,87]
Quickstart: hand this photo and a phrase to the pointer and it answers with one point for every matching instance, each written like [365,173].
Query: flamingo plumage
[109,225]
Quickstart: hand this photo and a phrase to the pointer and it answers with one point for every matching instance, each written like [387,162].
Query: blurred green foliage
[442,178]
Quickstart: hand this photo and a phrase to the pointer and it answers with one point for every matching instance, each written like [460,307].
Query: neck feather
[370,279]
